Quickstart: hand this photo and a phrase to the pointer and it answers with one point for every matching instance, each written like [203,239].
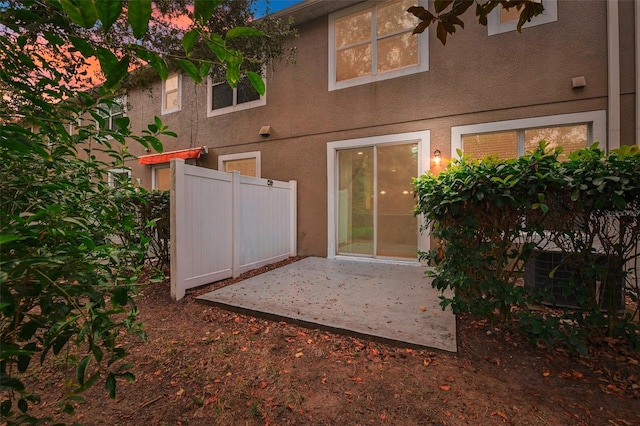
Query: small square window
[502,20]
[110,112]
[224,99]
[117,178]
[247,163]
[161,178]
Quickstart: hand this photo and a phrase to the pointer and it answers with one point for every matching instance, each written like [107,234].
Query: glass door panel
[375,201]
[355,201]
[397,227]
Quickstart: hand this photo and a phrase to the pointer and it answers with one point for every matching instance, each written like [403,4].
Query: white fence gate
[224,224]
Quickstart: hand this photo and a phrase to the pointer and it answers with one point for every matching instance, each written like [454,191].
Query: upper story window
[513,138]
[502,20]
[110,112]
[223,99]
[374,41]
[172,94]
[117,178]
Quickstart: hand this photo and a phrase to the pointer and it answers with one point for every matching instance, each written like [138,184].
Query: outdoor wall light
[436,157]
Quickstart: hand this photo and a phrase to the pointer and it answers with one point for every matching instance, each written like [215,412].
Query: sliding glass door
[375,201]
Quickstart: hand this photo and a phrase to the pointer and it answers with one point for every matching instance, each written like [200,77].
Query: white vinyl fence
[224,224]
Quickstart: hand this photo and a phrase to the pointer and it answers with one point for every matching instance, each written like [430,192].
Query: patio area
[388,302]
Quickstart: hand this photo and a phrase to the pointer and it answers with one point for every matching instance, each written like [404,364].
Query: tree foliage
[447,14]
[71,244]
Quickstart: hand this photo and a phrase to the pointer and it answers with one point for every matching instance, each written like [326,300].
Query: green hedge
[492,216]
[150,213]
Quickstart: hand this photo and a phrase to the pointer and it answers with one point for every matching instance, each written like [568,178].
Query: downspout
[613,53]
[637,30]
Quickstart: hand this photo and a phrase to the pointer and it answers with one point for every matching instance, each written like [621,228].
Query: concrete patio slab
[391,302]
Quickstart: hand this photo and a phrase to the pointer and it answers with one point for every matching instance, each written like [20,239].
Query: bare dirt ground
[203,365]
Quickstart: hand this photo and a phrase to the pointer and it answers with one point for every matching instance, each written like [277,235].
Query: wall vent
[552,272]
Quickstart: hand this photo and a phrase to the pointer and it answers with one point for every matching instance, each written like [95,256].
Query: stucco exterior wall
[475,78]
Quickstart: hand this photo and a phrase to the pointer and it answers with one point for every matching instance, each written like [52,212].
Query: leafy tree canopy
[71,251]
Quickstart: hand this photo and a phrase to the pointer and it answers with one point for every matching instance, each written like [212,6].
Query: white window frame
[494,26]
[235,107]
[241,156]
[111,181]
[166,110]
[122,100]
[422,138]
[596,121]
[423,51]
[154,169]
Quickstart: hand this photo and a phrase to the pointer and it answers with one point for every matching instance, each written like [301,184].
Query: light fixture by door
[436,156]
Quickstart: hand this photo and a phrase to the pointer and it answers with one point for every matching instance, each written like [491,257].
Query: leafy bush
[492,216]
[64,276]
[151,213]
[71,247]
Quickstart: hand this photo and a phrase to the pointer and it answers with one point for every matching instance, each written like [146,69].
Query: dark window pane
[246,92]
[222,96]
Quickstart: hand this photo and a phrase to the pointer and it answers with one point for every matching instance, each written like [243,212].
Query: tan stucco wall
[473,79]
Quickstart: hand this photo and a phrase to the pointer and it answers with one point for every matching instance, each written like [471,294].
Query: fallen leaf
[613,388]
[445,387]
[299,354]
[546,373]
[263,385]
[426,362]
[501,414]
[180,392]
[422,308]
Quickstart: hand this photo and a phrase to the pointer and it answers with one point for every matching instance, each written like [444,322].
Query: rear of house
[367,106]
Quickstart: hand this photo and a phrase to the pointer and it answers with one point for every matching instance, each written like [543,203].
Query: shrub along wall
[573,227]
[149,216]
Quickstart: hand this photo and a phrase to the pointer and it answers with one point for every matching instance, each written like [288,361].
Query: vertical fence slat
[236,242]
[293,214]
[177,225]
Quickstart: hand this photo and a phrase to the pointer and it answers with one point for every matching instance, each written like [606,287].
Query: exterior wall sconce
[436,157]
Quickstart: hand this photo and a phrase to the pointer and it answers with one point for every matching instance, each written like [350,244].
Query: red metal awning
[165,157]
